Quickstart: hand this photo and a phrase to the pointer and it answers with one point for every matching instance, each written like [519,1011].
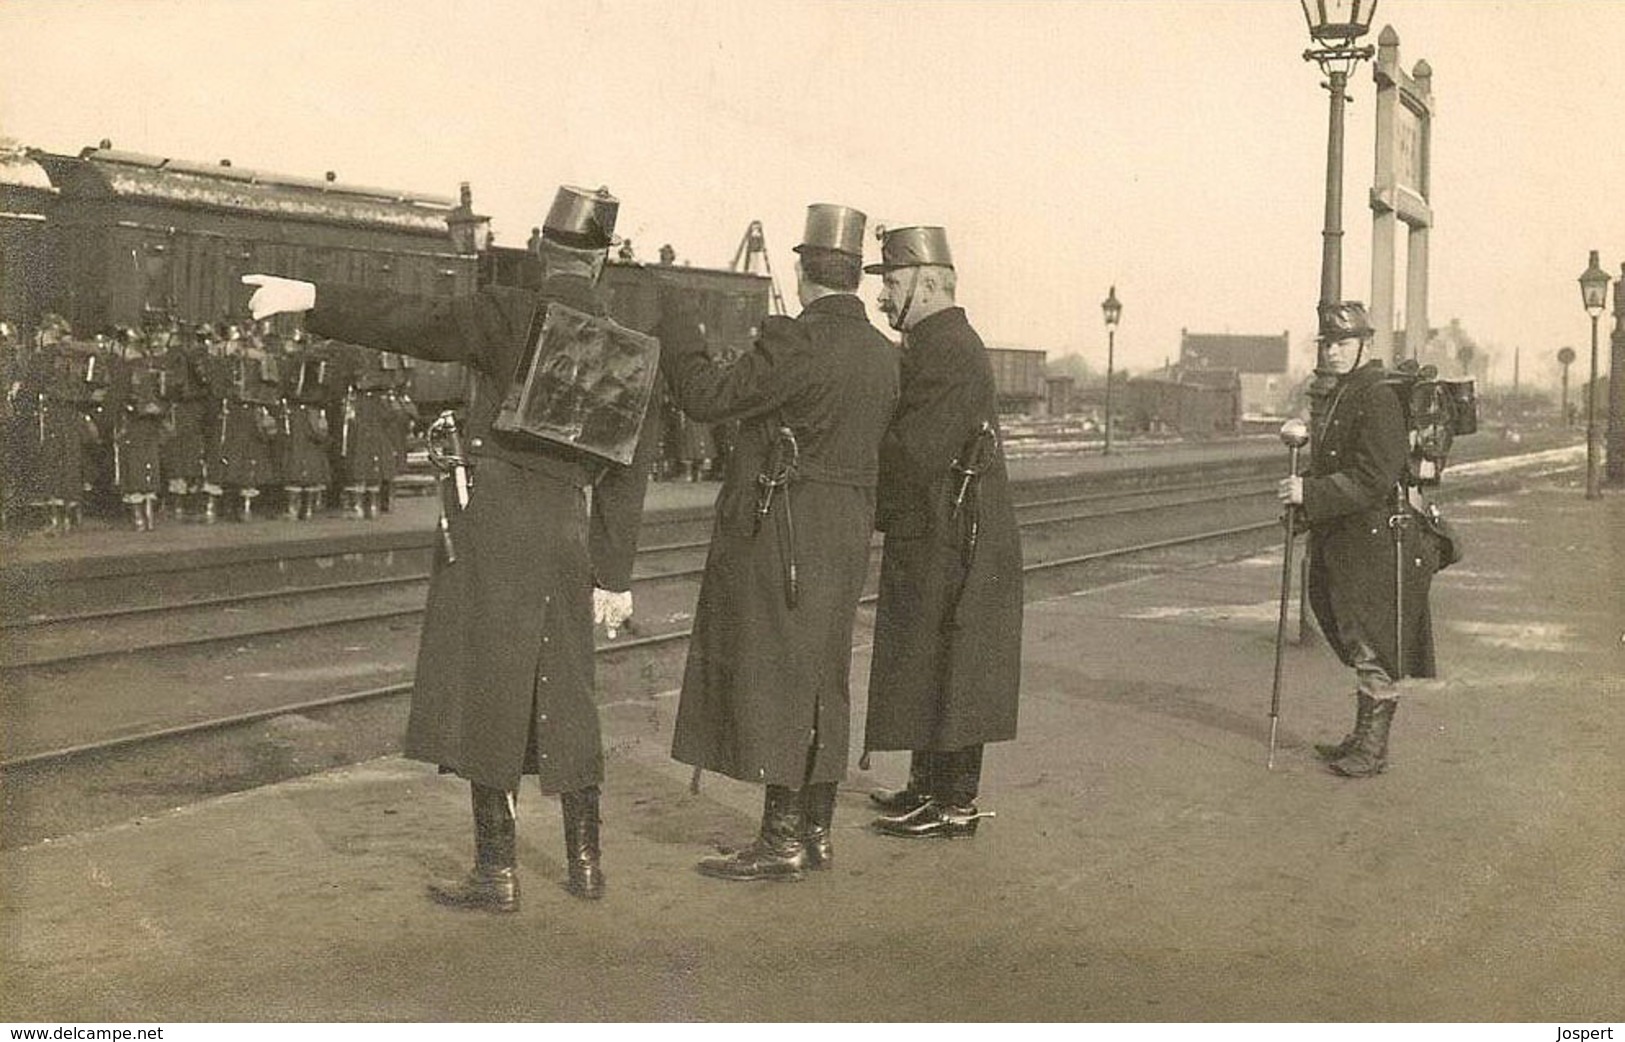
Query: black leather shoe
[933,821]
[899,801]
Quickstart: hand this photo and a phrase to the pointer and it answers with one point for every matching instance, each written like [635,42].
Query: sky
[1173,148]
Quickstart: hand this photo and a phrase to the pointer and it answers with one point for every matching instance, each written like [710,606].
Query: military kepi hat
[834,227]
[582,218]
[916,247]
[1343,320]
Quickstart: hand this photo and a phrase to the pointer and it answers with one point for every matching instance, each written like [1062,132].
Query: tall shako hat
[582,219]
[915,247]
[833,227]
[1344,319]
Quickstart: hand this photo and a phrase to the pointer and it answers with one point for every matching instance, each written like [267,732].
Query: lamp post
[1594,291]
[1613,474]
[1565,358]
[1334,26]
[1112,308]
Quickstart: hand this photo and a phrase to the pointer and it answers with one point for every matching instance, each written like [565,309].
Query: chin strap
[908,301]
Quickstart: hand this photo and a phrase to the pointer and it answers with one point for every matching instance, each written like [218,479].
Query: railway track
[232,716]
[48,641]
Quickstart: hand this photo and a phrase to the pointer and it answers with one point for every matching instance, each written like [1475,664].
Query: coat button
[477,443]
[542,717]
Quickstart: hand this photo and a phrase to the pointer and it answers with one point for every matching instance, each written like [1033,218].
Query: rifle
[349,419]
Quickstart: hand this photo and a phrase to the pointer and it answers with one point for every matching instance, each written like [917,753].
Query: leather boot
[369,504]
[246,512]
[58,522]
[149,511]
[350,503]
[211,507]
[581,852]
[817,818]
[898,802]
[138,517]
[384,494]
[493,883]
[291,512]
[1362,726]
[1370,757]
[777,852]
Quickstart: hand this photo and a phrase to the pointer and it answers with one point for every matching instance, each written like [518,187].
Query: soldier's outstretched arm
[761,380]
[472,328]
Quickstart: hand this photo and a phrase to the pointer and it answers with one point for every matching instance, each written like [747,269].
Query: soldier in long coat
[138,429]
[185,450]
[947,659]
[504,683]
[765,693]
[309,384]
[248,388]
[62,380]
[1358,460]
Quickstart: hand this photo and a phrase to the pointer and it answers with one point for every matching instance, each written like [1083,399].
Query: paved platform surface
[1143,864]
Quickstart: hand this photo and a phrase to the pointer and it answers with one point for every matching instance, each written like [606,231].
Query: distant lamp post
[1613,471]
[1334,26]
[1594,291]
[1565,358]
[1112,308]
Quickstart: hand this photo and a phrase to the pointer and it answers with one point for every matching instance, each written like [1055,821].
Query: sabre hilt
[782,463]
[972,460]
[444,441]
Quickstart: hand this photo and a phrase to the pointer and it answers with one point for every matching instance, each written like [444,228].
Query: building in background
[1258,364]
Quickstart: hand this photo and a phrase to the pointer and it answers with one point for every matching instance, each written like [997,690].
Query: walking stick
[1294,435]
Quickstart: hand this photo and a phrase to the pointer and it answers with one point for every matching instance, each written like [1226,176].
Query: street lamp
[1594,291]
[1334,26]
[1112,308]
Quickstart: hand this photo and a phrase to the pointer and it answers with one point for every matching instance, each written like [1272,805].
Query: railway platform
[108,547]
[1144,865]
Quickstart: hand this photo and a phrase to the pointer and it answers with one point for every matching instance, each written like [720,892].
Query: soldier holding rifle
[1358,459]
[947,659]
[765,694]
[504,683]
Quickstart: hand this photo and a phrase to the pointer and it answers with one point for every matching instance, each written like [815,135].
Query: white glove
[610,609]
[277,294]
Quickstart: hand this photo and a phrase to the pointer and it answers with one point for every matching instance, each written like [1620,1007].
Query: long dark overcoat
[504,680]
[1358,456]
[138,430]
[186,450]
[766,691]
[947,658]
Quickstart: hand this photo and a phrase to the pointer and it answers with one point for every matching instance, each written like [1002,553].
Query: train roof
[19,170]
[188,183]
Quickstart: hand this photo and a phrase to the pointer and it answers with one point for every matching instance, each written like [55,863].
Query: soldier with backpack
[1373,546]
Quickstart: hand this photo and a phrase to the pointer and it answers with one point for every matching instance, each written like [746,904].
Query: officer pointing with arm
[504,682]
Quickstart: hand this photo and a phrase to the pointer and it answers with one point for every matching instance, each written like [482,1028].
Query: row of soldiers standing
[196,422]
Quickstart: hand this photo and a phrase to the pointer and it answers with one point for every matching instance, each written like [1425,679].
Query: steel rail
[617,648]
[364,584]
